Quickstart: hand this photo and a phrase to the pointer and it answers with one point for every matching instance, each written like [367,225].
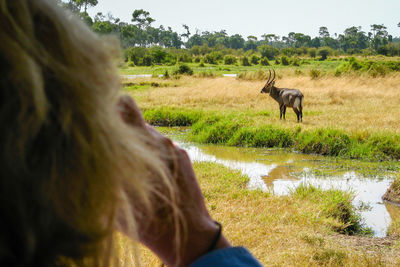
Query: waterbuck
[285,97]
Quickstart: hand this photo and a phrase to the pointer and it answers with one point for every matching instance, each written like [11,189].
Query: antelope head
[267,87]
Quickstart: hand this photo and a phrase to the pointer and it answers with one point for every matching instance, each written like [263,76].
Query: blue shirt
[227,257]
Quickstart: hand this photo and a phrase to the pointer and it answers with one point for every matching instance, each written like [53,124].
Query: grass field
[350,116]
[342,103]
[296,230]
[353,115]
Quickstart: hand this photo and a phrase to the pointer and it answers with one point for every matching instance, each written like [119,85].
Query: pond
[280,171]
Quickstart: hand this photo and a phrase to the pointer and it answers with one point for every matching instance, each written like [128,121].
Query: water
[280,172]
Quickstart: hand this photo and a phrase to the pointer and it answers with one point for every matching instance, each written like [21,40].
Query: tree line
[140,33]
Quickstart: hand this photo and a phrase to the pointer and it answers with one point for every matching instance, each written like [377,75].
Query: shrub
[147,60]
[254,59]
[285,60]
[324,52]
[264,61]
[166,74]
[229,60]
[312,52]
[315,74]
[184,69]
[296,61]
[268,51]
[211,59]
[245,61]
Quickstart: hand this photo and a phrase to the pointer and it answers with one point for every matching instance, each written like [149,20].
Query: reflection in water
[279,172]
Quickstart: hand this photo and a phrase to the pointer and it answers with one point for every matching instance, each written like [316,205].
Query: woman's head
[65,153]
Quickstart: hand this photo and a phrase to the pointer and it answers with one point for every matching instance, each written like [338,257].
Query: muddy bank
[393,192]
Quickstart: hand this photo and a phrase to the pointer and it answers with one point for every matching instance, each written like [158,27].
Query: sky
[257,17]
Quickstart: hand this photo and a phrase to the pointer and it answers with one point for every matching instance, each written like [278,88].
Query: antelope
[285,97]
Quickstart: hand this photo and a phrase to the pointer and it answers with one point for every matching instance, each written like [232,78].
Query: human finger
[130,112]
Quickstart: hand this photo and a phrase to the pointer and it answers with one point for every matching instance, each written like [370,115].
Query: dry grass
[283,231]
[349,103]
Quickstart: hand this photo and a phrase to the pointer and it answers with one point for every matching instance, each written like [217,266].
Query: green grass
[334,204]
[305,65]
[333,208]
[300,229]
[229,128]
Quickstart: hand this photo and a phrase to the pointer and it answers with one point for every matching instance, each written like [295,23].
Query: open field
[350,116]
[354,116]
[295,230]
[342,103]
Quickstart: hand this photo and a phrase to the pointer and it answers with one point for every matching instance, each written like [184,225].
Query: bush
[245,61]
[372,68]
[312,52]
[254,60]
[229,60]
[166,74]
[296,61]
[184,69]
[285,60]
[268,51]
[324,52]
[147,60]
[211,58]
[264,61]
[315,74]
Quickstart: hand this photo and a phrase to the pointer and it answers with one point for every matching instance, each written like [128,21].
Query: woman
[78,162]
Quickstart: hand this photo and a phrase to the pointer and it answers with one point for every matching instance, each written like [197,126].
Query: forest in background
[144,44]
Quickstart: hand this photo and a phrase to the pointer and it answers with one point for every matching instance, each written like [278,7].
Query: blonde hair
[65,153]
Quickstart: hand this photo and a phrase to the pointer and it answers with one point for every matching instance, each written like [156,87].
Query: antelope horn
[269,77]
[274,76]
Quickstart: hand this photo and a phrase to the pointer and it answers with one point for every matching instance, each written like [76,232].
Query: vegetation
[337,116]
[297,230]
[351,87]
[234,131]
[145,45]
[393,193]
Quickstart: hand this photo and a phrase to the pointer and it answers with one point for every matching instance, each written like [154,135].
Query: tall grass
[295,230]
[233,130]
[334,204]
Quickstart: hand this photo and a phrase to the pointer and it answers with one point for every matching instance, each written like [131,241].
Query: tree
[142,18]
[236,41]
[268,51]
[323,32]
[324,52]
[86,4]
[379,35]
[301,40]
[251,43]
[187,34]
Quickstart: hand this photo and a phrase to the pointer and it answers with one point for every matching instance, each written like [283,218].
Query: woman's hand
[158,234]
